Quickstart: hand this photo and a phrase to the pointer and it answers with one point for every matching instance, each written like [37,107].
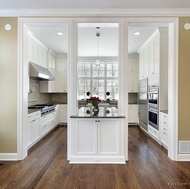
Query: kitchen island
[98,139]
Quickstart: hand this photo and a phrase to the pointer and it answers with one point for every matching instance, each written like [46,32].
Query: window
[98,81]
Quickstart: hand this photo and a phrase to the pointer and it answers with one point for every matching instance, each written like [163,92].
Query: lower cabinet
[164,129]
[62,114]
[153,133]
[133,114]
[33,128]
[97,140]
[47,122]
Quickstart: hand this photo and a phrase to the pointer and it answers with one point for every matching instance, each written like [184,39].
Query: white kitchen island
[98,139]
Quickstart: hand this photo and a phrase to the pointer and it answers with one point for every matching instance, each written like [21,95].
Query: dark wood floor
[47,168]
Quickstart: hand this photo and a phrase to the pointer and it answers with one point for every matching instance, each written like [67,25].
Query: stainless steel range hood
[39,72]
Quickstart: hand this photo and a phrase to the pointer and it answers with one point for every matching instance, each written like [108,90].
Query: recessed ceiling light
[59,33]
[137,33]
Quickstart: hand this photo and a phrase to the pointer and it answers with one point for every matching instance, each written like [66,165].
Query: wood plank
[47,167]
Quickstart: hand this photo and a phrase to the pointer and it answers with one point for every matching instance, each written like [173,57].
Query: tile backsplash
[132,98]
[35,97]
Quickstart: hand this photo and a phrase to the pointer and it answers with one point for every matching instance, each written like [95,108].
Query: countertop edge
[78,116]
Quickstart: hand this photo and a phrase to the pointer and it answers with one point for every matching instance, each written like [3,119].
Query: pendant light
[97,63]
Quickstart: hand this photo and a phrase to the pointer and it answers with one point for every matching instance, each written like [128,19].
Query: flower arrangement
[94,100]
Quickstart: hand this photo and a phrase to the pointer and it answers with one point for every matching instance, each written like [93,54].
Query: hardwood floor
[46,167]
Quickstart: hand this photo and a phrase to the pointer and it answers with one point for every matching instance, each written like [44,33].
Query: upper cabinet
[153,63]
[57,65]
[37,52]
[153,55]
[133,73]
[48,47]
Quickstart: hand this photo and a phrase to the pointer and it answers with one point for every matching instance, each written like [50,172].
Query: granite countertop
[104,112]
[98,116]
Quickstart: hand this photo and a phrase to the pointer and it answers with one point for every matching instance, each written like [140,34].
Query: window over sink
[98,81]
[97,62]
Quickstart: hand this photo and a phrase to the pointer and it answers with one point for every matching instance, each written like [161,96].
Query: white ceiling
[89,4]
[47,34]
[88,43]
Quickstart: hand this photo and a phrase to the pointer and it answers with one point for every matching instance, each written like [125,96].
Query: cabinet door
[85,137]
[157,54]
[29,134]
[146,62]
[164,128]
[35,129]
[64,80]
[62,113]
[134,82]
[141,65]
[152,59]
[109,137]
[132,113]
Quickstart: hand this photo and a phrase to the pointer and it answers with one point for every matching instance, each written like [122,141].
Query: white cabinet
[47,122]
[133,73]
[62,113]
[132,114]
[33,128]
[163,129]
[154,56]
[154,133]
[149,55]
[37,52]
[97,140]
[61,73]
[58,68]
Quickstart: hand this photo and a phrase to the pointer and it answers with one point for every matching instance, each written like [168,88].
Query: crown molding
[93,12]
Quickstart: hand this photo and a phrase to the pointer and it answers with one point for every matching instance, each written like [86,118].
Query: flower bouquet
[95,101]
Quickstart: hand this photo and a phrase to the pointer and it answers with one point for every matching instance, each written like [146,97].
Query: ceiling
[88,4]
[88,43]
[47,34]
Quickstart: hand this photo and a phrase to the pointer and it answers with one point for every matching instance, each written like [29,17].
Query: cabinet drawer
[34,115]
[164,118]
[153,132]
[46,126]
[46,118]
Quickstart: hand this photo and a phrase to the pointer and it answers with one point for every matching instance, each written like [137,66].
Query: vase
[95,110]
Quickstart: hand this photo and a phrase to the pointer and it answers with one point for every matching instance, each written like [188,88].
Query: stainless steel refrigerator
[143,103]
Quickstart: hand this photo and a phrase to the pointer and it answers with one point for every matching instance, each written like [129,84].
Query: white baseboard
[8,156]
[183,157]
[97,160]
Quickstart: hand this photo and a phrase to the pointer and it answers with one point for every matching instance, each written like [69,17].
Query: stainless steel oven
[153,117]
[153,94]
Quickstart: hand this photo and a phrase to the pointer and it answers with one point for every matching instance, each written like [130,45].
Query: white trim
[97,160]
[183,157]
[95,12]
[8,156]
[22,89]
[149,40]
[173,91]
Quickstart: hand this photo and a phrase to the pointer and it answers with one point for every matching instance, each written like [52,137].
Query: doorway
[43,41]
[143,34]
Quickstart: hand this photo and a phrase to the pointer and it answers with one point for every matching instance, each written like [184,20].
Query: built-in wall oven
[153,117]
[153,94]
[153,106]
